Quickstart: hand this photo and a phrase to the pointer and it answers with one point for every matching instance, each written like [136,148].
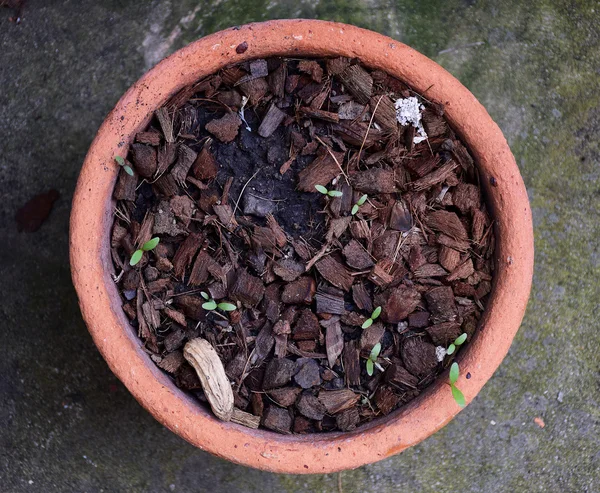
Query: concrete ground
[68,425]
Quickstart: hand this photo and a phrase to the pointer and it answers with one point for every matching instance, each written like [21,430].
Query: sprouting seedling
[372,361]
[457,342]
[359,202]
[456,393]
[212,305]
[121,162]
[330,193]
[369,321]
[146,247]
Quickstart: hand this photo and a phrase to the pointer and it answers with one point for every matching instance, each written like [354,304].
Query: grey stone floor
[67,424]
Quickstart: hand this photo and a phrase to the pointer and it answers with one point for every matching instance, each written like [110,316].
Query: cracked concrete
[69,425]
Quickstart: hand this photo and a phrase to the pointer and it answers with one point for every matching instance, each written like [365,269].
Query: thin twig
[334,158]
[240,196]
[340,489]
[368,128]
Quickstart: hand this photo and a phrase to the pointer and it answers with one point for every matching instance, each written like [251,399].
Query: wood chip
[225,128]
[301,290]
[205,360]
[307,327]
[289,270]
[329,301]
[247,289]
[356,256]
[278,373]
[203,266]
[185,160]
[205,166]
[126,185]
[362,298]
[400,217]
[448,223]
[358,82]
[285,396]
[463,271]
[374,181]
[418,356]
[320,172]
[185,253]
[435,177]
[171,362]
[444,333]
[144,159]
[277,419]
[308,405]
[441,305]
[386,399]
[351,358]
[308,374]
[449,258]
[245,419]
[334,339]
[398,375]
[337,401]
[335,273]
[271,121]
[397,303]
[347,420]
[166,123]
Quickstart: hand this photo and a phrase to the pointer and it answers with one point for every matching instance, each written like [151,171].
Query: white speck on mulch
[440,352]
[408,111]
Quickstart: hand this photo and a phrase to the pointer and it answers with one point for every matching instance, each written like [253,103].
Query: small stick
[242,193]
[334,158]
[368,128]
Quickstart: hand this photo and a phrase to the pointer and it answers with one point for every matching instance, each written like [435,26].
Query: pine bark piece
[288,269]
[326,116]
[448,223]
[356,256]
[185,159]
[335,273]
[271,121]
[247,289]
[307,327]
[308,374]
[225,128]
[335,66]
[276,80]
[460,245]
[466,197]
[262,345]
[174,340]
[441,305]
[166,186]
[360,230]
[175,316]
[183,208]
[449,258]
[255,89]
[347,420]
[217,389]
[371,336]
[358,82]
[334,339]
[463,271]
[166,123]
[151,315]
[429,270]
[400,376]
[150,138]
[205,166]
[382,107]
[418,320]
[374,181]
[278,373]
[309,406]
[301,291]
[245,419]
[312,68]
[386,399]
[435,177]
[400,217]
[361,298]
[225,214]
[353,133]
[444,333]
[125,186]
[285,396]
[337,401]
[203,266]
[379,275]
[277,419]
[279,234]
[423,166]
[172,362]
[270,302]
[144,159]
[166,157]
[185,253]
[418,356]
[397,303]
[191,306]
[330,302]
[320,172]
[351,356]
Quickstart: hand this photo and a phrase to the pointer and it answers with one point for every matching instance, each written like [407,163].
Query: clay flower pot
[91,264]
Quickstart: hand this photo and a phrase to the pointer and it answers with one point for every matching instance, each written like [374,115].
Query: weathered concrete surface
[68,425]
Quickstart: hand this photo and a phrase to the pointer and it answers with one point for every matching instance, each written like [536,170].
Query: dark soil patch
[226,176]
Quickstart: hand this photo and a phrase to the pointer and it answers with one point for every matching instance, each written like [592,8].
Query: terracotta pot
[91,264]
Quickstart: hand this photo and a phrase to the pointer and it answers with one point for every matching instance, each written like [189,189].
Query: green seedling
[360,202]
[330,193]
[121,162]
[146,247]
[457,342]
[456,393]
[372,361]
[369,321]
[212,305]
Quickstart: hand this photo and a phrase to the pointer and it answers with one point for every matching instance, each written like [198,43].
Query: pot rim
[91,265]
